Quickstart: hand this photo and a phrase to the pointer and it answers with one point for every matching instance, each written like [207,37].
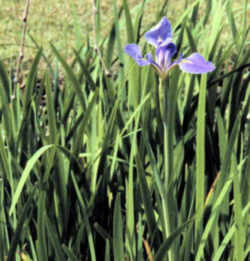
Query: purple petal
[164,55]
[159,33]
[196,64]
[134,51]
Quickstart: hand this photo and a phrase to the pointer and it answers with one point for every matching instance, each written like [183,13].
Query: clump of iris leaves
[82,167]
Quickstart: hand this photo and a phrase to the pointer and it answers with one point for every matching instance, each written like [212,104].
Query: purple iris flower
[160,37]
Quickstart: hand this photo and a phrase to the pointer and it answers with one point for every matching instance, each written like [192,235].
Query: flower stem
[167,111]
[162,100]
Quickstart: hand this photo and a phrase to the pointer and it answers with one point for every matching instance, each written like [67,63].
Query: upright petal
[134,51]
[159,33]
[164,55]
[196,64]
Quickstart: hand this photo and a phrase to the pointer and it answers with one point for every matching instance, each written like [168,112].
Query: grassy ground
[50,21]
[56,21]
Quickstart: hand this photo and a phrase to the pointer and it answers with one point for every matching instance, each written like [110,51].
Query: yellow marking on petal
[185,61]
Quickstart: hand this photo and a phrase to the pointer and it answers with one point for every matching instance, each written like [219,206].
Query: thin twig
[242,67]
[19,78]
[97,49]
[148,250]
[211,190]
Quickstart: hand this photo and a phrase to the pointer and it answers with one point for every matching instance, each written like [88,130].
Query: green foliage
[82,173]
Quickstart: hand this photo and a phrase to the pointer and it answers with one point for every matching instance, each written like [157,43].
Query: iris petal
[134,52]
[164,53]
[159,33]
[196,64]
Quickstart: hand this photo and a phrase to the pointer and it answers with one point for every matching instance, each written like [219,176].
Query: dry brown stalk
[211,190]
[97,48]
[148,250]
[19,78]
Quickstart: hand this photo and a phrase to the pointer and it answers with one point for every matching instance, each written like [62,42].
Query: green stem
[167,111]
[162,100]
[200,158]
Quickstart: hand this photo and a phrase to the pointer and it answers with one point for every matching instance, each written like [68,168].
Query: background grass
[53,21]
[87,169]
[58,22]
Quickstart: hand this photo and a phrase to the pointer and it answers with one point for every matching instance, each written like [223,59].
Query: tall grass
[83,175]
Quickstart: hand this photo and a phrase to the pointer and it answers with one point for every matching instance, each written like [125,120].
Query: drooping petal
[164,53]
[134,51]
[159,33]
[196,64]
